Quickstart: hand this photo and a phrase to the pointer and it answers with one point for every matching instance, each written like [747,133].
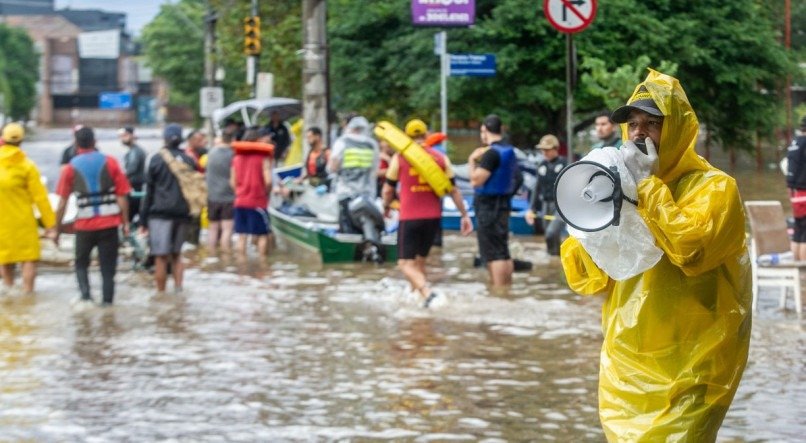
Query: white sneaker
[82,304]
[411,295]
[432,299]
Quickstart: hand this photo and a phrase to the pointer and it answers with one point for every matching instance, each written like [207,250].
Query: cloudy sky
[138,12]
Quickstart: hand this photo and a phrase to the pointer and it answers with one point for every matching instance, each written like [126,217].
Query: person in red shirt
[250,177]
[101,188]
[420,217]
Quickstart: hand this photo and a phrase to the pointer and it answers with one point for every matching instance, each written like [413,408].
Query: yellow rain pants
[675,337]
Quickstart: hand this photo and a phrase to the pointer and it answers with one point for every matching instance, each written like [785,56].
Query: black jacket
[547,172]
[134,162]
[164,197]
[796,163]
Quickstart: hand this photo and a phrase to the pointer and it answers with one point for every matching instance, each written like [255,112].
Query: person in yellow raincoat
[20,189]
[676,337]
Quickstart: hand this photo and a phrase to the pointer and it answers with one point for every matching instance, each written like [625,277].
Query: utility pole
[569,96]
[251,62]
[788,90]
[444,72]
[209,62]
[315,106]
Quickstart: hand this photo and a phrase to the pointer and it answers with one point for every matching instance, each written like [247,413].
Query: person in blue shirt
[494,175]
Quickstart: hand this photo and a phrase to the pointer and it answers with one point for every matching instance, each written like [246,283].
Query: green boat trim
[316,236]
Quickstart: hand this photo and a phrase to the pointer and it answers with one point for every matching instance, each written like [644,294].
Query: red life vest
[417,199]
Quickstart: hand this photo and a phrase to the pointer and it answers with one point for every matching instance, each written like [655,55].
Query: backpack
[191,182]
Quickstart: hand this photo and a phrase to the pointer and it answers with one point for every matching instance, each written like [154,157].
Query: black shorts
[415,237]
[492,229]
[799,236]
[217,211]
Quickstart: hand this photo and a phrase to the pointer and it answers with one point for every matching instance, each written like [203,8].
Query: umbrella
[249,110]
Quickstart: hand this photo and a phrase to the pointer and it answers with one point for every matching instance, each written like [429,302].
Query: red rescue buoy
[244,147]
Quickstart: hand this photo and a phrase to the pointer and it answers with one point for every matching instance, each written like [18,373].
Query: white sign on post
[265,85]
[212,98]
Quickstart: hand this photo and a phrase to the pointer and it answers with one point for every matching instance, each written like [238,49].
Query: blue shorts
[254,221]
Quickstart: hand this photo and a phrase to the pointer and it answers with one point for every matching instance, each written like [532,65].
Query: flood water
[289,349]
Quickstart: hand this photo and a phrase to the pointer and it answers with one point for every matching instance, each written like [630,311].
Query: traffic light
[251,35]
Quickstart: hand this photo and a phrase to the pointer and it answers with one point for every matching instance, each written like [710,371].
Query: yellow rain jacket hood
[21,189]
[676,337]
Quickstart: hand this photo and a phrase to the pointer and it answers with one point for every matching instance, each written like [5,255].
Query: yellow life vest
[416,155]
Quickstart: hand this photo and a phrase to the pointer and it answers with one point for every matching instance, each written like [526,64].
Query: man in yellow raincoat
[20,189]
[676,337]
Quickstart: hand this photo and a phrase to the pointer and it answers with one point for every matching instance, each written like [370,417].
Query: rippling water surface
[292,350]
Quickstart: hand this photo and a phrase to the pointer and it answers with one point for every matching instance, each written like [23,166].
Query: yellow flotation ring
[416,155]
[244,147]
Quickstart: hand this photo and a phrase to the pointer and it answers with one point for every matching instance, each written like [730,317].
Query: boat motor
[367,218]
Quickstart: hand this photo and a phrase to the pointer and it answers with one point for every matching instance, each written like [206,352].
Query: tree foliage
[613,85]
[728,55]
[173,44]
[19,72]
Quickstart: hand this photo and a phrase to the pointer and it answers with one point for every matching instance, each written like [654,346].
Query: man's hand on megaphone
[639,164]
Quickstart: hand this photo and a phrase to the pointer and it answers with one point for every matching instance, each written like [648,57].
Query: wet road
[292,350]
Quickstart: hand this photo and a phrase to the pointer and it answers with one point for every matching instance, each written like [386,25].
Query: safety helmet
[416,128]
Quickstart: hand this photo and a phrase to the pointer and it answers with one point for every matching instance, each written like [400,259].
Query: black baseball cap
[641,101]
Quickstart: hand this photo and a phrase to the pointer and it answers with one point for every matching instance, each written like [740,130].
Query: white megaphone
[598,198]
[589,195]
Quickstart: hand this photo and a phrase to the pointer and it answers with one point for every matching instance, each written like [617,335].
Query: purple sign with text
[443,12]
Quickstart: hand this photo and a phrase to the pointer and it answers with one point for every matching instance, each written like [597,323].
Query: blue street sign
[115,100]
[473,65]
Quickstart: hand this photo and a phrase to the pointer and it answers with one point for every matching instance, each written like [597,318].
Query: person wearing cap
[70,151]
[21,190]
[542,200]
[676,337]
[606,132]
[134,162]
[354,160]
[796,182]
[418,131]
[494,175]
[420,217]
[164,212]
[101,190]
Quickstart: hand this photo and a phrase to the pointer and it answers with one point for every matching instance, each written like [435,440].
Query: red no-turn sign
[570,16]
